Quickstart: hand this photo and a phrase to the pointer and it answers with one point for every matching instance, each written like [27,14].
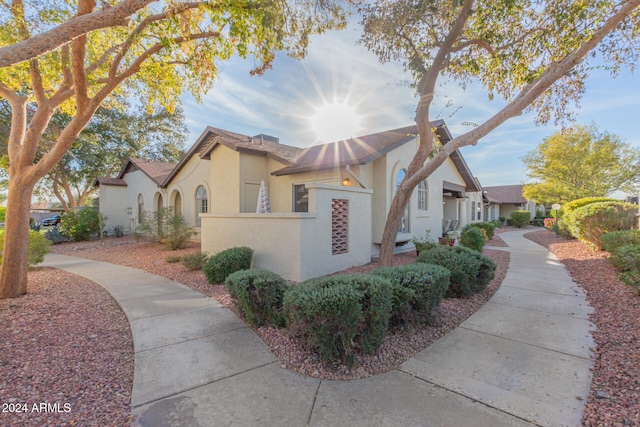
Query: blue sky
[281,102]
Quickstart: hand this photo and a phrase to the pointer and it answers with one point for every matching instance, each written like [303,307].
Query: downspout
[348,168]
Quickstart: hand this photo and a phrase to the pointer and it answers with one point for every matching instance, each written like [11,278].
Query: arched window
[140,207]
[404,225]
[423,196]
[202,203]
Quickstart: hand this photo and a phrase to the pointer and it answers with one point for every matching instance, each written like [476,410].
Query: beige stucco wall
[111,206]
[384,174]
[193,174]
[296,245]
[225,180]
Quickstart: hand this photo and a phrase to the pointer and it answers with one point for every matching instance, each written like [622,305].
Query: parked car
[53,220]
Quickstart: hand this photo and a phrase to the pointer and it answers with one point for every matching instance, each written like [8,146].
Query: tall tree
[581,162]
[535,55]
[110,137]
[164,50]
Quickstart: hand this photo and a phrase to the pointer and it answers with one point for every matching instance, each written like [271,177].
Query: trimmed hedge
[417,290]
[259,295]
[337,311]
[222,264]
[473,237]
[464,269]
[486,271]
[488,227]
[590,222]
[520,219]
[614,239]
[571,206]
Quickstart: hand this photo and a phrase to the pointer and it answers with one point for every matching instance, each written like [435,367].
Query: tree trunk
[13,272]
[392,225]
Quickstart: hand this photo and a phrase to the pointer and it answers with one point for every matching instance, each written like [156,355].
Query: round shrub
[590,222]
[417,290]
[520,219]
[81,224]
[488,227]
[614,239]
[222,264]
[486,271]
[38,247]
[473,238]
[337,311]
[464,269]
[258,294]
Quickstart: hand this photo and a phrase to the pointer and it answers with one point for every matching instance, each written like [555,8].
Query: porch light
[346,182]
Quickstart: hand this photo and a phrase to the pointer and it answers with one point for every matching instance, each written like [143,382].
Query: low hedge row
[470,270]
[417,290]
[259,295]
[624,251]
[219,266]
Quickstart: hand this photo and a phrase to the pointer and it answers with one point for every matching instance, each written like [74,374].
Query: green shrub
[194,261]
[219,266]
[258,294]
[337,311]
[417,289]
[3,212]
[631,278]
[473,237]
[591,221]
[165,227]
[172,259]
[55,235]
[571,206]
[488,227]
[37,249]
[520,218]
[464,269]
[486,271]
[118,230]
[81,224]
[626,258]
[497,223]
[613,240]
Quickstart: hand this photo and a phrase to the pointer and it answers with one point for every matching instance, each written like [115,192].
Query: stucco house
[501,200]
[328,202]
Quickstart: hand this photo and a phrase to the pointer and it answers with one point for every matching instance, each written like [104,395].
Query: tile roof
[511,194]
[157,171]
[110,181]
[354,151]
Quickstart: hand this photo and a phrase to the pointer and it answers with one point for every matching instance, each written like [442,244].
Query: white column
[462,212]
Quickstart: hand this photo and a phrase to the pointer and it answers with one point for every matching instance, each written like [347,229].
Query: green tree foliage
[163,49]
[534,55]
[582,162]
[110,138]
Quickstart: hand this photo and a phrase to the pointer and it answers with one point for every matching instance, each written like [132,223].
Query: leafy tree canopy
[581,162]
[158,50]
[535,55]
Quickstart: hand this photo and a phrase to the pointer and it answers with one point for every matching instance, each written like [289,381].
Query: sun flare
[335,122]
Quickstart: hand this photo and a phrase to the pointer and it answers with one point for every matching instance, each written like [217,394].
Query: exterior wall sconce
[129,210]
[346,182]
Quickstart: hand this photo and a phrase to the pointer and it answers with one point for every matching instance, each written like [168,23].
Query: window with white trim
[423,196]
[202,203]
[300,198]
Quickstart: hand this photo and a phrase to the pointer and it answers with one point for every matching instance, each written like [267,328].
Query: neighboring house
[501,200]
[328,202]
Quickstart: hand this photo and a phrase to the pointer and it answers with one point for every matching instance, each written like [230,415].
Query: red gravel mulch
[66,343]
[614,398]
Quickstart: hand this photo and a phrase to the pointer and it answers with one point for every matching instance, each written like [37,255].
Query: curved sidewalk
[523,359]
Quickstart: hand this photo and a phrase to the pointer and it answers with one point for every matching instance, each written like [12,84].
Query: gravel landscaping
[67,344]
[67,341]
[614,398]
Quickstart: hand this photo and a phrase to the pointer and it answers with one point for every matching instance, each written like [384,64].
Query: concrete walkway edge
[523,359]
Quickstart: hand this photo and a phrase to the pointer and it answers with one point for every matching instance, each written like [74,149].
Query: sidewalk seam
[468,397]
[157,399]
[526,343]
[192,339]
[313,404]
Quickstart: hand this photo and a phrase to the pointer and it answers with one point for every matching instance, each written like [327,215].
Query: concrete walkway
[521,360]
